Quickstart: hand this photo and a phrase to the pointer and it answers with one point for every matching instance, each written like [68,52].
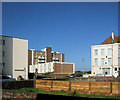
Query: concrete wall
[8,57]
[20,58]
[15,57]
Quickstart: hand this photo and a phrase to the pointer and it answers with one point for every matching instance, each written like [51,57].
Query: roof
[12,37]
[109,40]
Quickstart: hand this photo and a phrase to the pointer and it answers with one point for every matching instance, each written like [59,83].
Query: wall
[61,68]
[20,95]
[106,88]
[8,57]
[114,56]
[17,84]
[20,58]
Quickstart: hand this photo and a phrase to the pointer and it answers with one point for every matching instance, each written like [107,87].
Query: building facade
[53,67]
[14,56]
[44,56]
[105,58]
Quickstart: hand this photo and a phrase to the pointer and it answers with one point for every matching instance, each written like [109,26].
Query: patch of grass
[36,90]
[62,92]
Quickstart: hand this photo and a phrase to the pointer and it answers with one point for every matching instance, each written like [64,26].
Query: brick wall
[18,84]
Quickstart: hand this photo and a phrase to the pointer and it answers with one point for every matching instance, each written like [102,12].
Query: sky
[70,28]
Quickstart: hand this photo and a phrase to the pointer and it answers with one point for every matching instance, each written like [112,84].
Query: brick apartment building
[43,56]
[46,61]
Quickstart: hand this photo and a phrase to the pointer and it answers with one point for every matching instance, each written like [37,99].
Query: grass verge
[74,93]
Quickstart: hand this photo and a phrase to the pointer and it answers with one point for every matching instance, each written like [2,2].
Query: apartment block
[105,58]
[14,56]
[53,67]
[43,56]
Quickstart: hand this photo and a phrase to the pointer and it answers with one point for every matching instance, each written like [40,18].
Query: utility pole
[83,65]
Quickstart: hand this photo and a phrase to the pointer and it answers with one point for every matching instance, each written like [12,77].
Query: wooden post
[90,87]
[69,85]
[34,81]
[110,88]
[51,88]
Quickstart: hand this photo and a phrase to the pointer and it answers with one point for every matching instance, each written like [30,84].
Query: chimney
[112,37]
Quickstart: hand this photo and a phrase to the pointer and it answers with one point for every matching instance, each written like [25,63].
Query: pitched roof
[109,40]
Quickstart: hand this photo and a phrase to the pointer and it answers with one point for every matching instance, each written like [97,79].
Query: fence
[106,88]
[17,84]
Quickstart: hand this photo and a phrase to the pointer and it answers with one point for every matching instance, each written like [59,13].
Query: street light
[83,65]
[55,65]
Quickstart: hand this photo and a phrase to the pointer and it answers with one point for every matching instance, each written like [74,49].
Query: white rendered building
[61,68]
[105,58]
[14,56]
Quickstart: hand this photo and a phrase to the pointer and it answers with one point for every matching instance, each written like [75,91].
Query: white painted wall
[8,58]
[42,68]
[16,57]
[20,57]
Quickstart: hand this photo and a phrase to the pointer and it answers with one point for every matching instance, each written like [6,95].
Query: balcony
[41,61]
[41,58]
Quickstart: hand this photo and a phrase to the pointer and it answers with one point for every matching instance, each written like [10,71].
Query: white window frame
[109,62]
[95,52]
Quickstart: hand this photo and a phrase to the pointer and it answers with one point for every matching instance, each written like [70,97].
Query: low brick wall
[106,88]
[18,84]
[12,94]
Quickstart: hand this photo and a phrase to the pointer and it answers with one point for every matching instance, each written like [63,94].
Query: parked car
[79,75]
[98,75]
[72,75]
[6,78]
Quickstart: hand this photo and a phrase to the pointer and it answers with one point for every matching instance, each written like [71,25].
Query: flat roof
[13,37]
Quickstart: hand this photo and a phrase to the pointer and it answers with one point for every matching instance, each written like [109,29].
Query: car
[98,75]
[6,78]
[72,75]
[79,75]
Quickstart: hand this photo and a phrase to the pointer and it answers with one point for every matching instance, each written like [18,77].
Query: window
[3,53]
[102,51]
[61,69]
[96,52]
[95,61]
[3,42]
[102,61]
[3,65]
[41,53]
[118,60]
[115,69]
[109,61]
[109,51]
[118,50]
[35,55]
[36,62]
[35,52]
[36,59]
[106,71]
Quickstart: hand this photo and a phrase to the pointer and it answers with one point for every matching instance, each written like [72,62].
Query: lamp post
[55,65]
[83,65]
